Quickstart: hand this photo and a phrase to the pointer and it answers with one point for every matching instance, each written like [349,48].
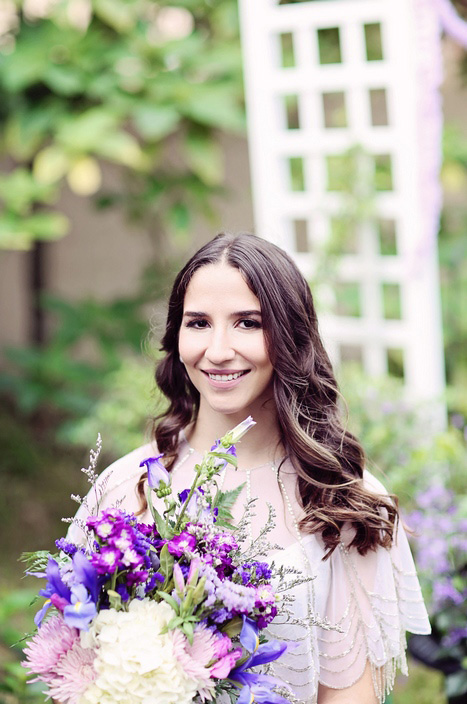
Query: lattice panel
[321,78]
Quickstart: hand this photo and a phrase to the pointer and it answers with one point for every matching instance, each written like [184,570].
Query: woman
[242,339]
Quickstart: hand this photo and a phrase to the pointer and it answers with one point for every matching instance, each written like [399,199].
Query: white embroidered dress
[373,599]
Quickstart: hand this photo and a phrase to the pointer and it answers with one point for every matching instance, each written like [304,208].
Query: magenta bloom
[223,666]
[180,543]
[107,560]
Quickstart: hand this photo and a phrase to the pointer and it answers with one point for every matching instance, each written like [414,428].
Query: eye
[249,324]
[197,324]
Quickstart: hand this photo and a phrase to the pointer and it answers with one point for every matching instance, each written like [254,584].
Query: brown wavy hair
[328,459]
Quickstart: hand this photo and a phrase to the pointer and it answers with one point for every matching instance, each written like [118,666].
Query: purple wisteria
[441,547]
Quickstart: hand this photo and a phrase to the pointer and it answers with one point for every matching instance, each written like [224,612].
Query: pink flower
[74,674]
[44,650]
[194,658]
[222,646]
[197,659]
[223,666]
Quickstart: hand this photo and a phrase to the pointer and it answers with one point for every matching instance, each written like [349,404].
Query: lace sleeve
[374,599]
[115,486]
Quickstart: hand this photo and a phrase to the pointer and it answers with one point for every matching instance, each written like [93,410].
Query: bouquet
[168,613]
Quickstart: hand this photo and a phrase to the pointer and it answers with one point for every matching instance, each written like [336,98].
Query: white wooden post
[376,102]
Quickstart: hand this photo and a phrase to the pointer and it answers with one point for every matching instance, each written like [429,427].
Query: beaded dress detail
[370,601]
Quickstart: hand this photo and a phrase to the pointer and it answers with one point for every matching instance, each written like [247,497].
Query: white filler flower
[135,664]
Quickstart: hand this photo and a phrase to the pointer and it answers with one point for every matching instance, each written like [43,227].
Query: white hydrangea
[135,664]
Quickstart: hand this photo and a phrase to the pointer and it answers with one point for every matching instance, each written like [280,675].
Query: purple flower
[257,687]
[107,560]
[261,693]
[242,428]
[156,577]
[123,591]
[85,573]
[192,506]
[252,573]
[249,635]
[132,558]
[220,463]
[454,637]
[446,591]
[55,588]
[180,543]
[136,577]
[157,473]
[67,548]
[82,609]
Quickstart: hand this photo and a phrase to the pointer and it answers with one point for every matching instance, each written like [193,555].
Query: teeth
[225,377]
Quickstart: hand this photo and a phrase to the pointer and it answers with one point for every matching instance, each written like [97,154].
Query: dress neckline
[265,465]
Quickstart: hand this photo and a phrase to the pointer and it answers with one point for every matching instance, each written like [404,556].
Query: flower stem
[194,486]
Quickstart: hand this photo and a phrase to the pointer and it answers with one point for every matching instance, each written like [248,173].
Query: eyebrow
[239,314]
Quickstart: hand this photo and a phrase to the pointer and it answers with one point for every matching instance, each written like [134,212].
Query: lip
[224,384]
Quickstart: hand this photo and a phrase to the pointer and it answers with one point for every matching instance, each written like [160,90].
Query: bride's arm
[362,692]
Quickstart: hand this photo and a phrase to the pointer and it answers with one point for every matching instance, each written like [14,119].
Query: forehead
[219,285]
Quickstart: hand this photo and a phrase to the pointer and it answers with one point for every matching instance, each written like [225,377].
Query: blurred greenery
[85,83]
[149,87]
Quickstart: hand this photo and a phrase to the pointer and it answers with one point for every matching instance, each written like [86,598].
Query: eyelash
[255,324]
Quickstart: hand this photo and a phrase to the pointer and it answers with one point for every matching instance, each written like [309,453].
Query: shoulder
[127,467]
[373,484]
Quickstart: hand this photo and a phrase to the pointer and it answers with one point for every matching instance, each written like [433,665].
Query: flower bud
[157,473]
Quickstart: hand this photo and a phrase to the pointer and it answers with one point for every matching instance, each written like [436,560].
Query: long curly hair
[328,459]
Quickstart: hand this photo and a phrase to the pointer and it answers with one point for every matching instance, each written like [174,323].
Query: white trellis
[322,77]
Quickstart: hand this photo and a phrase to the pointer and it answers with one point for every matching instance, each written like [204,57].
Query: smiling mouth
[226,377]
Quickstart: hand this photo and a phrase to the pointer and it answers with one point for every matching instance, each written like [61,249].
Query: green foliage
[15,621]
[401,440]
[113,87]
[453,266]
[121,412]
[424,686]
[54,376]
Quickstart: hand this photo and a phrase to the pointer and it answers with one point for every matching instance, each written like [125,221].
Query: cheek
[189,348]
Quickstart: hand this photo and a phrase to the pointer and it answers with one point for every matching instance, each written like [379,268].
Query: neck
[260,445]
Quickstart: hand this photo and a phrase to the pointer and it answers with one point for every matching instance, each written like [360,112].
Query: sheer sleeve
[116,486]
[374,599]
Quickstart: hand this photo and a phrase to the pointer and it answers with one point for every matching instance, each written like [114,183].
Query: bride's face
[222,343]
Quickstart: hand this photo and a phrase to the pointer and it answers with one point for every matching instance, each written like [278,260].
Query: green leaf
[50,164]
[64,80]
[47,226]
[215,106]
[115,600]
[205,157]
[170,600]
[19,190]
[161,525]
[154,122]
[187,628]
[85,132]
[224,502]
[122,148]
[226,499]
[121,15]
[456,684]
[167,562]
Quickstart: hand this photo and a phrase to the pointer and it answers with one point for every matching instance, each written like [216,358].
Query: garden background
[122,149]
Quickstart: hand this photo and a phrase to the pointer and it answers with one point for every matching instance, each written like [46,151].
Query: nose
[219,347]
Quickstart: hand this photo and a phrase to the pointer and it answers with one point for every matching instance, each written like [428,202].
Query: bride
[242,339]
